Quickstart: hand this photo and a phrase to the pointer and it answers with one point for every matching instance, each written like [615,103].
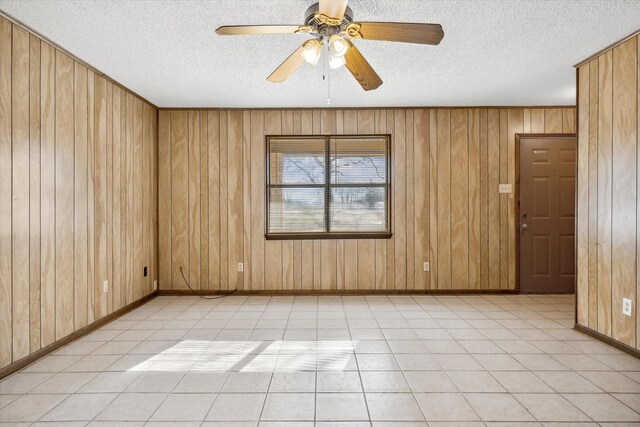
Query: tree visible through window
[328,186]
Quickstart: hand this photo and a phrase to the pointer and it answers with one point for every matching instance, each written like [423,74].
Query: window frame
[386,234]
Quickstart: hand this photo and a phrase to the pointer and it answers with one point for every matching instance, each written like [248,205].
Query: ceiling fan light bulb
[336,62]
[338,46]
[312,51]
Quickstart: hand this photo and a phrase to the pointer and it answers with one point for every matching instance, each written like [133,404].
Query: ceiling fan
[331,23]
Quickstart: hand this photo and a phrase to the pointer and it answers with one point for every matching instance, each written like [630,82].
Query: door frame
[516,196]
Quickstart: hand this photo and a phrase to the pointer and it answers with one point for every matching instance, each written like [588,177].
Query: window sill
[326,236]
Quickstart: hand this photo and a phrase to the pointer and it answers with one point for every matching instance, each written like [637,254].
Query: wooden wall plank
[122,192]
[109,198]
[538,120]
[568,120]
[444,199]
[410,203]
[433,200]
[246,199]
[515,126]
[366,264]
[273,248]
[552,120]
[164,199]
[257,200]
[638,195]
[91,263]
[459,199]
[380,125]
[504,199]
[20,192]
[81,200]
[582,236]
[138,216]
[117,202]
[34,194]
[194,199]
[234,186]
[6,321]
[474,199]
[100,201]
[591,169]
[484,198]
[604,192]
[213,129]
[421,171]
[399,199]
[204,199]
[623,233]
[179,199]
[493,136]
[64,215]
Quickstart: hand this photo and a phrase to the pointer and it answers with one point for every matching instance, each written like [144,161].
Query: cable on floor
[202,296]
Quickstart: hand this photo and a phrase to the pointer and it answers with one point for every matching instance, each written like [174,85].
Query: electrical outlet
[505,189]
[105,286]
[626,306]
[240,267]
[425,266]
[155,285]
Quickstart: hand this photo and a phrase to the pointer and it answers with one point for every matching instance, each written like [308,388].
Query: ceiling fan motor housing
[324,30]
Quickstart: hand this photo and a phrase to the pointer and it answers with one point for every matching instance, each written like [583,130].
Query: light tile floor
[332,361]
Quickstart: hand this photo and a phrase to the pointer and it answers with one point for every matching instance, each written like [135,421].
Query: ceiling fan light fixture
[338,46]
[336,62]
[312,51]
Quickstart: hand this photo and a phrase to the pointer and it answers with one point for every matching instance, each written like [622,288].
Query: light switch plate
[240,267]
[425,266]
[105,286]
[505,189]
[626,306]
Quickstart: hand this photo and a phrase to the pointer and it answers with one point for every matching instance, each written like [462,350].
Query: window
[322,187]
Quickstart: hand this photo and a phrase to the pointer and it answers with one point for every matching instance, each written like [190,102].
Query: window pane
[358,209]
[359,160]
[296,210]
[297,161]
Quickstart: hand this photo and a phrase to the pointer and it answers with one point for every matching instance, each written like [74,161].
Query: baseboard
[33,357]
[608,340]
[336,292]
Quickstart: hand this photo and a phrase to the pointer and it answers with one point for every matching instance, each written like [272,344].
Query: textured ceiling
[493,53]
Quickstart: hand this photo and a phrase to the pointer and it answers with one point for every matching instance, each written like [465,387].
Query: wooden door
[547,214]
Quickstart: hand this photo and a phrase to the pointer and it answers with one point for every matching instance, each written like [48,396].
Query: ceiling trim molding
[418,107]
[608,48]
[72,56]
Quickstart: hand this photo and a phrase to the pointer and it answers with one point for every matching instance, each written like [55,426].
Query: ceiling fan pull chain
[325,66]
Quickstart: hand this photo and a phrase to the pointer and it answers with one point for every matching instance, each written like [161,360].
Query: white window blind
[328,186]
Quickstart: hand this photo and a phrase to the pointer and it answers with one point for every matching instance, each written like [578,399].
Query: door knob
[524,227]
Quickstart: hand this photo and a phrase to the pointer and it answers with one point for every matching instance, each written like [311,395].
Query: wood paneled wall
[78,195]
[447,164]
[608,229]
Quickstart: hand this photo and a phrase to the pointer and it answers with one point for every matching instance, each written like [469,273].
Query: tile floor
[332,361]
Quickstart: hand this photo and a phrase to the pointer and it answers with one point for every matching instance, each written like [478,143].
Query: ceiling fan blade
[397,32]
[333,8]
[288,66]
[238,30]
[361,69]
